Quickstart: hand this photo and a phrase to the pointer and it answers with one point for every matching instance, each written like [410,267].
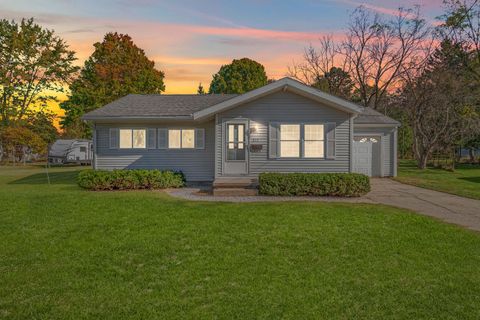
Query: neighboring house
[63,151]
[285,126]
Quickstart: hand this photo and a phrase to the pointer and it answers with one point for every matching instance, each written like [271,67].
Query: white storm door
[362,157]
[235,155]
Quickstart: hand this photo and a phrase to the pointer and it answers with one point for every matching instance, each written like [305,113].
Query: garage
[374,144]
[367,155]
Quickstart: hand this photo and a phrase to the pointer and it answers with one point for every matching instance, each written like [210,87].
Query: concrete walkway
[449,208]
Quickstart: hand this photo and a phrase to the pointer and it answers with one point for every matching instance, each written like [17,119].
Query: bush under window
[314,184]
[130,179]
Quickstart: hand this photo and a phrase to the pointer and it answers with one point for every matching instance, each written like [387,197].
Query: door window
[236,142]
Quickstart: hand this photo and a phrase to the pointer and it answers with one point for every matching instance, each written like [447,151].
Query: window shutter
[162,138]
[113,138]
[273,140]
[330,142]
[199,138]
[151,138]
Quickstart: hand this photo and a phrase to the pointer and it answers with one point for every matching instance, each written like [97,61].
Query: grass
[464,181]
[66,253]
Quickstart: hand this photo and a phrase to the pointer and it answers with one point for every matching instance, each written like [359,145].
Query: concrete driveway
[450,208]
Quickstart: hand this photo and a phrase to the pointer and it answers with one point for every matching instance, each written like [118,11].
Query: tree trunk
[471,153]
[454,160]
[423,160]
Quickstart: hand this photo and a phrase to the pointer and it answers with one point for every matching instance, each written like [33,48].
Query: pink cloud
[183,50]
[394,12]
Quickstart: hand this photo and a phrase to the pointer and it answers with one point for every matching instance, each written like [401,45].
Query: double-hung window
[181,138]
[290,140]
[302,141]
[153,138]
[133,139]
[313,141]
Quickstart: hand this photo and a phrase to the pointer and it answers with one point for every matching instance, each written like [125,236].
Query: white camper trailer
[77,151]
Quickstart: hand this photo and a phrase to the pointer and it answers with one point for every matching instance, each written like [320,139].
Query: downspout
[350,165]
[395,151]
[94,156]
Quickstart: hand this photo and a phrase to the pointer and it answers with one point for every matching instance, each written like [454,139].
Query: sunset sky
[190,40]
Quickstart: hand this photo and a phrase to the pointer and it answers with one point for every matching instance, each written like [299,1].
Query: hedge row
[314,184]
[130,179]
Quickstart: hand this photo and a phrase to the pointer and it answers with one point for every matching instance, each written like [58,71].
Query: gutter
[377,125]
[143,118]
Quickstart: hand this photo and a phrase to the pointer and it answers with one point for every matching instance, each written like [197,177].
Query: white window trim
[302,141]
[132,147]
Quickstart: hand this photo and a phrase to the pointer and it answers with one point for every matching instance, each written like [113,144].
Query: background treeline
[426,74]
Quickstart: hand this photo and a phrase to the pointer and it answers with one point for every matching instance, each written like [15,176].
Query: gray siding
[287,107]
[388,146]
[197,164]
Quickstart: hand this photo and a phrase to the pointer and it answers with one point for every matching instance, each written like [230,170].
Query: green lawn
[66,253]
[464,181]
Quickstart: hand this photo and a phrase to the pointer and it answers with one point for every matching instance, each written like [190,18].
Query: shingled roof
[144,106]
[370,116]
[157,105]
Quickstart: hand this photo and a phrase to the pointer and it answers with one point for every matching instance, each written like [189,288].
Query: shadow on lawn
[68,177]
[471,179]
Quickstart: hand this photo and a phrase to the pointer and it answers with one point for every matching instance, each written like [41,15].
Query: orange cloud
[179,60]
[187,53]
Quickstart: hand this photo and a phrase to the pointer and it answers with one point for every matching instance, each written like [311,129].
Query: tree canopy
[116,68]
[35,65]
[240,76]
[336,81]
[20,141]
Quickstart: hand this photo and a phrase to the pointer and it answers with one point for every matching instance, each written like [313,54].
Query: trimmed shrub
[130,179]
[314,184]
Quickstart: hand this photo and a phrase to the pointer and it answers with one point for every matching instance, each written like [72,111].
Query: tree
[200,89]
[472,145]
[461,26]
[379,50]
[324,68]
[19,142]
[35,64]
[460,29]
[375,53]
[240,76]
[41,123]
[116,68]
[337,82]
[439,103]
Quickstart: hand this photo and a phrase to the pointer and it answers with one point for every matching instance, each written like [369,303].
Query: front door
[235,155]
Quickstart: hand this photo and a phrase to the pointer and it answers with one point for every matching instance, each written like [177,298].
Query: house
[285,126]
[64,151]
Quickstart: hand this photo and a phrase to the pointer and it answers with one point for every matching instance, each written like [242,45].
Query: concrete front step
[235,182]
[234,192]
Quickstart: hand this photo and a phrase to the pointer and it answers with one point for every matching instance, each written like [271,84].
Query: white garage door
[362,157]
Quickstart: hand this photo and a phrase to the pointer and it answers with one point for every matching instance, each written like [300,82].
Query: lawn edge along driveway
[450,208]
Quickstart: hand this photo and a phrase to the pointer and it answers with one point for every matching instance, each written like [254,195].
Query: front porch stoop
[235,186]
